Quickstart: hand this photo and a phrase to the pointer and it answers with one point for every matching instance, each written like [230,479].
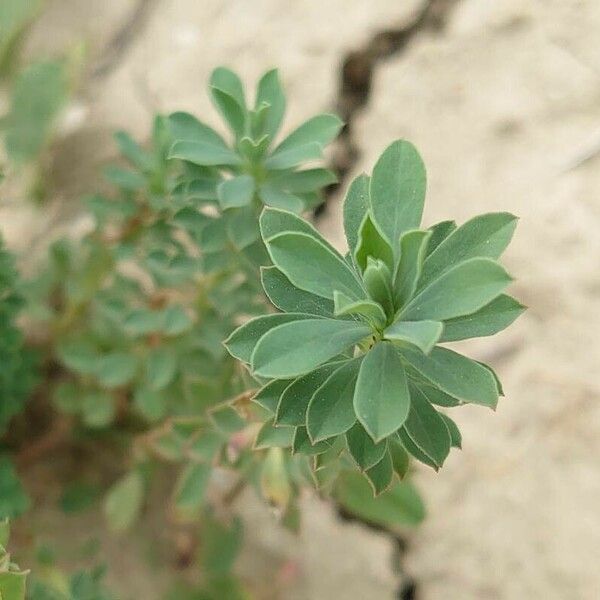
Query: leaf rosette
[354,360]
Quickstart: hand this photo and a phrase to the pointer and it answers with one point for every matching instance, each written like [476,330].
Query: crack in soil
[355,82]
[354,92]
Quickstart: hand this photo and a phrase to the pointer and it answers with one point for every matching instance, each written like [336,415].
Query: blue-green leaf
[398,190]
[362,448]
[422,334]
[293,349]
[269,91]
[201,153]
[287,297]
[312,266]
[356,205]
[456,375]
[492,318]
[483,236]
[236,192]
[321,130]
[462,290]
[381,397]
[413,245]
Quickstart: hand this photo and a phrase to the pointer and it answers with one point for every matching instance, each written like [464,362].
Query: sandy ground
[504,107]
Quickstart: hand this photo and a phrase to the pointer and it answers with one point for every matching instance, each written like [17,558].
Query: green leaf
[413,245]
[14,501]
[303,444]
[270,91]
[191,489]
[291,157]
[422,334]
[485,236]
[294,401]
[151,404]
[242,227]
[124,178]
[415,451]
[456,375]
[276,197]
[331,409]
[39,92]
[132,151]
[143,321]
[377,280]
[398,190]
[225,79]
[80,356]
[453,430]
[439,232]
[288,298]
[270,436]
[161,367]
[492,318]
[274,221]
[123,502]
[312,266]
[400,457]
[381,475]
[372,243]
[321,130]
[309,180]
[253,150]
[381,397]
[221,543]
[12,585]
[185,127]
[356,205]
[362,448]
[268,396]
[227,420]
[293,349]
[116,369]
[435,395]
[367,308]
[98,408]
[236,192]
[201,153]
[242,342]
[175,320]
[400,506]
[426,428]
[462,290]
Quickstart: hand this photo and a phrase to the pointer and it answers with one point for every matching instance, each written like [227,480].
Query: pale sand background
[501,106]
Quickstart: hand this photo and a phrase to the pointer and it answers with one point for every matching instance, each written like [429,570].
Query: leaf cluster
[353,358]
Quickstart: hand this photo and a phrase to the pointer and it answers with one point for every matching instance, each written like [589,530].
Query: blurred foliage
[12,579]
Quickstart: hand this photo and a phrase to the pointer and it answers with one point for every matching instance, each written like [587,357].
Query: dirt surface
[504,105]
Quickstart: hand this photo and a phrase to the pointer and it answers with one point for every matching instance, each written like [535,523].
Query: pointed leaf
[400,457]
[273,196]
[462,290]
[236,192]
[191,489]
[312,266]
[293,156]
[243,340]
[295,399]
[413,245]
[185,127]
[427,429]
[293,349]
[309,180]
[331,409]
[270,91]
[381,475]
[455,374]
[423,334]
[453,430]
[377,280]
[362,448]
[356,205]
[321,130]
[415,451]
[270,436]
[303,445]
[287,297]
[161,367]
[398,190]
[372,243]
[367,308]
[439,232]
[492,318]
[268,396]
[483,236]
[124,500]
[201,153]
[381,397]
